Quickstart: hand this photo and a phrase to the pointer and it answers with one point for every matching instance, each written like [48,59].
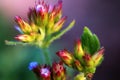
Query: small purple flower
[32,65]
[45,71]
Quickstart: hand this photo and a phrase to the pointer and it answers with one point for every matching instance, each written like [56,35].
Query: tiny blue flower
[32,65]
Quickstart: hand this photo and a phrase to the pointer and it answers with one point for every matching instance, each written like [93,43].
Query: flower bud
[25,27]
[78,65]
[88,60]
[67,57]
[25,38]
[59,72]
[98,56]
[79,53]
[42,10]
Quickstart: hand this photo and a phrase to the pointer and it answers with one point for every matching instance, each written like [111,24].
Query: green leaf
[90,41]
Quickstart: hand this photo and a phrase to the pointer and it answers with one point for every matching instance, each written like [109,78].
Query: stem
[46,55]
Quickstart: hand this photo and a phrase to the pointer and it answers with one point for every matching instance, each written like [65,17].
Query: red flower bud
[66,57]
[59,72]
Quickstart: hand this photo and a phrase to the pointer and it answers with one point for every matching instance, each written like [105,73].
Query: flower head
[44,26]
[59,72]
[45,73]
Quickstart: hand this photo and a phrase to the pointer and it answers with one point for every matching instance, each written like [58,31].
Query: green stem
[46,55]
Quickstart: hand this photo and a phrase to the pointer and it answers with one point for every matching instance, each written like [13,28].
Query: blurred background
[101,16]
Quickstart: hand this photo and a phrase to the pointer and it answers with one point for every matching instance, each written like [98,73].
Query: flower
[33,65]
[59,72]
[44,26]
[43,72]
[66,57]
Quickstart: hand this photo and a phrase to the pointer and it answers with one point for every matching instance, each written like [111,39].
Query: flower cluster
[83,59]
[45,23]
[44,26]
[56,72]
